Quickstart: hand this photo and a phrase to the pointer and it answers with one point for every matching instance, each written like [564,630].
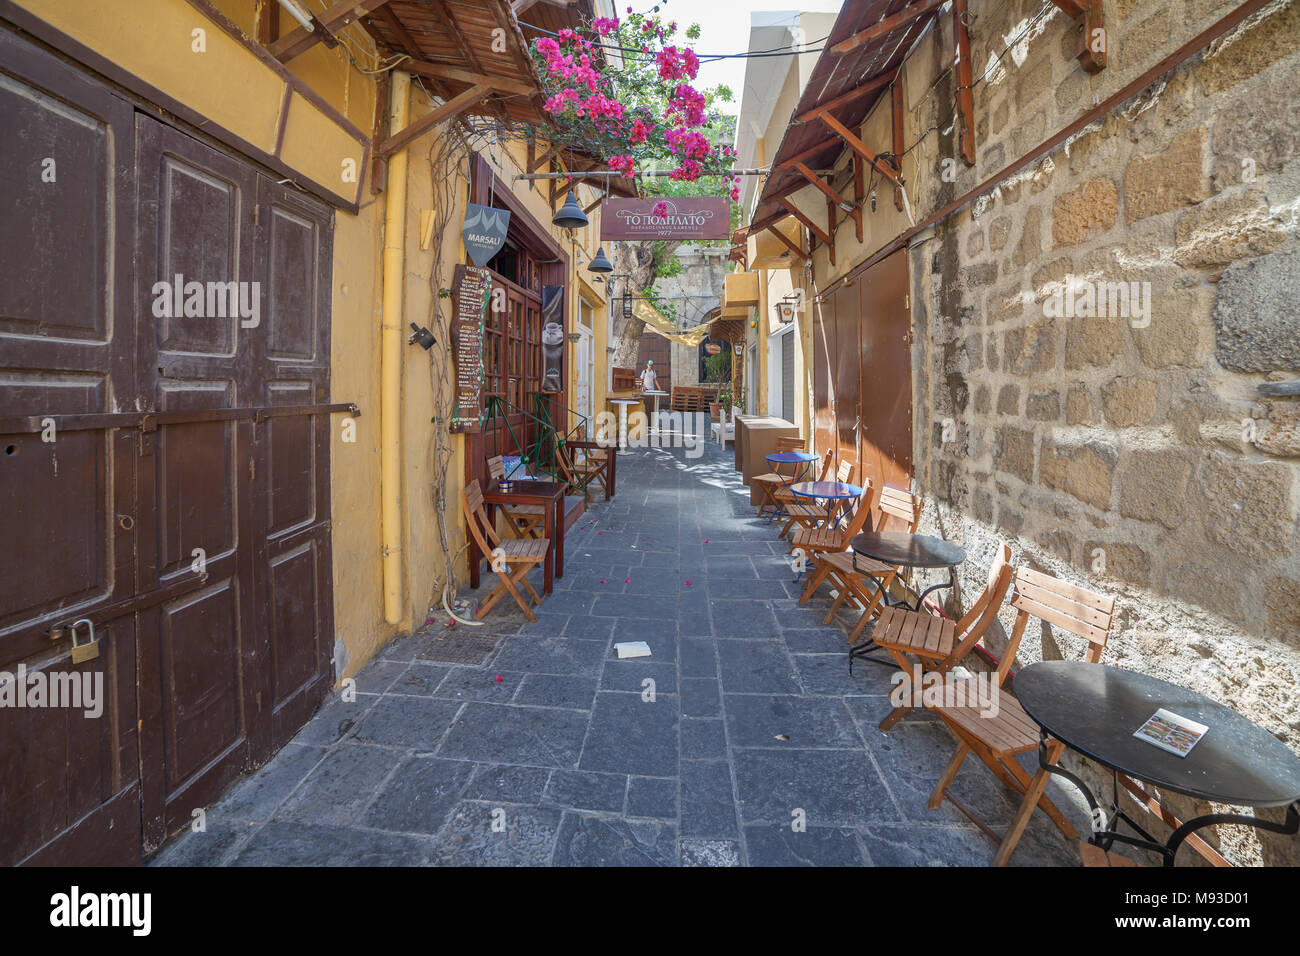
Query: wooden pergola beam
[452,108]
[441,71]
[962,74]
[859,91]
[1090,44]
[338,16]
[793,247]
[861,149]
[817,230]
[880,28]
[545,158]
[820,183]
[896,114]
[808,153]
[859,191]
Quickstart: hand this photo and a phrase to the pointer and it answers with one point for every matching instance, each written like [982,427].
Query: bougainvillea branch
[624,89]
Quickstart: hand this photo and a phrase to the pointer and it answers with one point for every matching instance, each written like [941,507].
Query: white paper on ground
[632,649]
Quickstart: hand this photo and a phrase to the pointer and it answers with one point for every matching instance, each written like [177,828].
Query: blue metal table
[798,458]
[832,491]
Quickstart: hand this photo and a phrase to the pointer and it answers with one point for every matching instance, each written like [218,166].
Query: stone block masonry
[1131,453]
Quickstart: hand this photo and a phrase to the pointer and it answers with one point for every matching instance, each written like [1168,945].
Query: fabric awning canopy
[658,324]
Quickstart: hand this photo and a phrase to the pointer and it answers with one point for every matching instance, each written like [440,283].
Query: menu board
[471,290]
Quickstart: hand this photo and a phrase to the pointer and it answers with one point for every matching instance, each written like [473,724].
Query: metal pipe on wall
[390,356]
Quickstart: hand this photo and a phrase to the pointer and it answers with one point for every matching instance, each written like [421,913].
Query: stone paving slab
[741,741]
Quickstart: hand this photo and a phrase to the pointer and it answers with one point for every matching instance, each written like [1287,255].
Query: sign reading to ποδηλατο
[687,218]
[472,288]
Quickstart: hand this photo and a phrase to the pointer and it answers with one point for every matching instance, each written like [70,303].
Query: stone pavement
[532,744]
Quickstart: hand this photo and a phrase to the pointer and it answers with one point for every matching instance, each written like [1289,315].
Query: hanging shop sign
[471,290]
[686,218]
[552,338]
[484,232]
[712,348]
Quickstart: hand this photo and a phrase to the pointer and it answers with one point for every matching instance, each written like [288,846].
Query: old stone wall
[1129,452]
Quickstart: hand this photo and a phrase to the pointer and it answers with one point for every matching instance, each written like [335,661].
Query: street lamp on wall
[600,263]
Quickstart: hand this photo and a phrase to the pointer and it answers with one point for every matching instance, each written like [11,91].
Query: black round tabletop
[1096,709]
[908,550]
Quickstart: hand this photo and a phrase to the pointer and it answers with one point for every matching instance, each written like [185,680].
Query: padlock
[88,651]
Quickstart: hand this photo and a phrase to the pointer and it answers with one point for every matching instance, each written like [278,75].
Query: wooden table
[548,494]
[756,437]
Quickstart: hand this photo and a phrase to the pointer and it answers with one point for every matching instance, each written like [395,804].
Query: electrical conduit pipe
[390,356]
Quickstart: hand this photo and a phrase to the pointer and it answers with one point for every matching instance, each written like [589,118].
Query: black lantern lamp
[570,215]
[600,263]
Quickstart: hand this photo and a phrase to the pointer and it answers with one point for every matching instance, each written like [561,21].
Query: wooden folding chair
[935,643]
[860,579]
[996,740]
[510,559]
[524,520]
[817,542]
[773,481]
[809,514]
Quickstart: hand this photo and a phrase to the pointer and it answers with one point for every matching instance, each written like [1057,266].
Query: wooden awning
[858,62]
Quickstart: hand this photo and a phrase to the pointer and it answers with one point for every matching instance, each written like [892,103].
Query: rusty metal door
[182,501]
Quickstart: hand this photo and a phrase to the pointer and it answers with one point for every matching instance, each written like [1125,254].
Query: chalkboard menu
[471,290]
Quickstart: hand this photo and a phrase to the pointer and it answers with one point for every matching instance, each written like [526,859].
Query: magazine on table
[1169,731]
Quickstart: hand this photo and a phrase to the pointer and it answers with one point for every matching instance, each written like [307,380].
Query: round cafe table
[623,404]
[902,550]
[1096,711]
[797,458]
[832,492]
[656,395]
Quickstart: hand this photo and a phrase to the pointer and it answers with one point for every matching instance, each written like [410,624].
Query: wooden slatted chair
[817,543]
[997,739]
[809,514]
[773,481]
[938,644]
[511,559]
[581,466]
[900,511]
[524,520]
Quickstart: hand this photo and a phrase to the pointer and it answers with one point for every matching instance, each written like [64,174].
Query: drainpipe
[390,356]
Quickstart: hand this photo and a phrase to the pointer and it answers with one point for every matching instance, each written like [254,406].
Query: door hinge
[257,214]
[252,469]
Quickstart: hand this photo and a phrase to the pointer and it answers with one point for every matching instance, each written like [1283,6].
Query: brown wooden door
[70,785]
[291,519]
[862,374]
[203,452]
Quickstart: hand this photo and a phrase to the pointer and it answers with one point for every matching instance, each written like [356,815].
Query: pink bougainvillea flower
[627,580]
[661,209]
[688,582]
[602,580]
[499,678]
[706,540]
